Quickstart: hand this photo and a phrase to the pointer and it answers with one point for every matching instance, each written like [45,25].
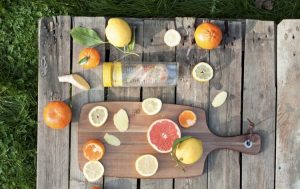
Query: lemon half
[93,170]
[98,116]
[151,106]
[146,165]
[202,72]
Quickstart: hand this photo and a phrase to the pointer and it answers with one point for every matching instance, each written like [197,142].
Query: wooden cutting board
[119,161]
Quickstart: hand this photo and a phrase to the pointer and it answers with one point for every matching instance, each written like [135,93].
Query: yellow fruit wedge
[146,165]
[219,99]
[98,116]
[202,72]
[75,80]
[93,171]
[112,140]
[172,38]
[121,120]
[151,106]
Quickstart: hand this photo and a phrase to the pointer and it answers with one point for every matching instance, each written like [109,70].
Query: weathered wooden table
[258,63]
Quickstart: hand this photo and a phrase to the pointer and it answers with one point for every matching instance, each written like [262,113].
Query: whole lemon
[118,32]
[189,151]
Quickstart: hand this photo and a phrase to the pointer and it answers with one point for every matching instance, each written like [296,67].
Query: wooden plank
[79,97]
[288,103]
[189,91]
[156,50]
[224,165]
[54,60]
[259,97]
[132,93]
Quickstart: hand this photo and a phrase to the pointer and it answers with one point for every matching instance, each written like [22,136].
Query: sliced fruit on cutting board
[219,99]
[161,135]
[187,119]
[75,80]
[151,106]
[112,140]
[146,165]
[121,120]
[93,170]
[93,150]
[98,116]
[202,72]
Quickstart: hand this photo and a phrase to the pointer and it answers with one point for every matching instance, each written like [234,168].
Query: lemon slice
[172,38]
[146,165]
[112,140]
[151,106]
[93,170]
[219,99]
[121,120]
[98,116]
[202,72]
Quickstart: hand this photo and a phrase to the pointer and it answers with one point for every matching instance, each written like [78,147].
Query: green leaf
[179,140]
[131,45]
[84,60]
[86,37]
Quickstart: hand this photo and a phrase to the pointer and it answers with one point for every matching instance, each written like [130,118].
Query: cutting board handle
[248,144]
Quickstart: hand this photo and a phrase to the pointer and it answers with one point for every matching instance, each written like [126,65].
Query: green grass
[19,65]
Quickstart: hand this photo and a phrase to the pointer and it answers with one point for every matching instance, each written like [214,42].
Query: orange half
[93,150]
[187,119]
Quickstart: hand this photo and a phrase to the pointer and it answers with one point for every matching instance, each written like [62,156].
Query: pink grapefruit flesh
[162,133]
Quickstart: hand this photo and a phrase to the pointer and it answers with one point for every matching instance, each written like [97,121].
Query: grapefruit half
[161,135]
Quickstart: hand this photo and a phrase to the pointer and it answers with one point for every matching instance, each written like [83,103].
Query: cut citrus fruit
[146,165]
[98,116]
[219,99]
[151,106]
[93,170]
[75,80]
[202,72]
[93,150]
[161,135]
[121,120]
[187,118]
[112,140]
[172,38]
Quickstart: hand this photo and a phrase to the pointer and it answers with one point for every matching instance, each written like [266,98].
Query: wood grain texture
[288,103]
[225,120]
[189,91]
[259,98]
[80,97]
[156,50]
[132,93]
[54,60]
[119,161]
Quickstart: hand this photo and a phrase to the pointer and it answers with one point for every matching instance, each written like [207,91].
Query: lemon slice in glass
[202,72]
[98,116]
[151,106]
[172,38]
[93,170]
[146,165]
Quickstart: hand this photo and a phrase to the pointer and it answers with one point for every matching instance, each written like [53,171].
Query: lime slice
[172,38]
[93,170]
[202,72]
[151,106]
[98,116]
[219,99]
[146,165]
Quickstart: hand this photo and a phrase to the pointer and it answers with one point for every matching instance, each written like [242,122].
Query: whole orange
[93,150]
[89,58]
[57,115]
[95,187]
[208,35]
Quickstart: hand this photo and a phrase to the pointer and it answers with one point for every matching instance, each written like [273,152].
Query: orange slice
[187,119]
[93,150]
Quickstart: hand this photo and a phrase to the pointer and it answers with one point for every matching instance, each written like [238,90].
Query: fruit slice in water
[161,135]
[202,72]
[187,119]
[93,170]
[219,99]
[98,116]
[112,140]
[172,38]
[93,150]
[146,165]
[121,120]
[151,106]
